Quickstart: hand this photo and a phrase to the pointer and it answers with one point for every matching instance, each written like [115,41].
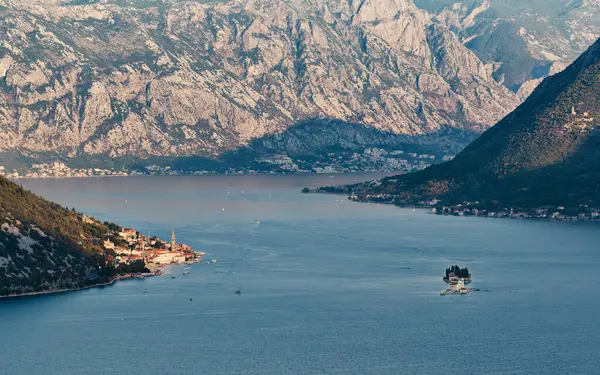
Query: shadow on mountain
[315,137]
[311,138]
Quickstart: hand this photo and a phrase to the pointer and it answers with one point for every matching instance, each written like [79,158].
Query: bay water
[327,287]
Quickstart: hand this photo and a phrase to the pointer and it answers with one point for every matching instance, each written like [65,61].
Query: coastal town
[368,160]
[559,213]
[131,246]
[371,159]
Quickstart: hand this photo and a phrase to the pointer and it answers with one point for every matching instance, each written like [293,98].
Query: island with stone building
[457,278]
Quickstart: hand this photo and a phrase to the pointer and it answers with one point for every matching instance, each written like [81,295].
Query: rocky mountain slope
[171,77]
[546,152]
[526,40]
[45,247]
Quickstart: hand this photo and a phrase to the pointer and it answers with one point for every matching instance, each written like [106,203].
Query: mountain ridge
[178,78]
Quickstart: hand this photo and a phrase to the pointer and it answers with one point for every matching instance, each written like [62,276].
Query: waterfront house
[165,257]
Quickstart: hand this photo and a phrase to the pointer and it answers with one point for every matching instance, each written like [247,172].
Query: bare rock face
[183,78]
[523,41]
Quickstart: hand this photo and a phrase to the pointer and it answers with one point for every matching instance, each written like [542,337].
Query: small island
[46,248]
[457,278]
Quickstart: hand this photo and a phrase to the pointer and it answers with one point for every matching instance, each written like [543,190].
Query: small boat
[145,290]
[186,273]
[214,261]
[173,277]
[238,292]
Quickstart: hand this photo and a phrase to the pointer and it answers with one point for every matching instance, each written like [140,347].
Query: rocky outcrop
[186,78]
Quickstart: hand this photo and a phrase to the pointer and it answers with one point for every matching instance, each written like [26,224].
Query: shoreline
[210,173]
[503,214]
[571,219]
[58,291]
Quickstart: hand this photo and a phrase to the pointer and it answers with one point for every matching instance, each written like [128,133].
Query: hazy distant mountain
[546,152]
[528,40]
[171,77]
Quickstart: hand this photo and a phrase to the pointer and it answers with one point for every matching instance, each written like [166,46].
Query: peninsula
[541,161]
[46,248]
[128,246]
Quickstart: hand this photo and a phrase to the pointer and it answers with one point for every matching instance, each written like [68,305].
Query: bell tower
[173,243]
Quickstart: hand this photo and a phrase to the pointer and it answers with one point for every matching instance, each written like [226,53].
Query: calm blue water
[325,288]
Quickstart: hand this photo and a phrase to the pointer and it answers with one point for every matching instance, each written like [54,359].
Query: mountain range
[98,79]
[544,154]
[180,78]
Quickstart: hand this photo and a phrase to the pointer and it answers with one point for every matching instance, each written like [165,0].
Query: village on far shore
[130,246]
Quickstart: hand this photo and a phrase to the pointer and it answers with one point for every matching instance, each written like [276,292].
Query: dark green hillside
[44,246]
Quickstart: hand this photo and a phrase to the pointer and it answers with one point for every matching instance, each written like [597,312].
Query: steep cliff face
[191,78]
